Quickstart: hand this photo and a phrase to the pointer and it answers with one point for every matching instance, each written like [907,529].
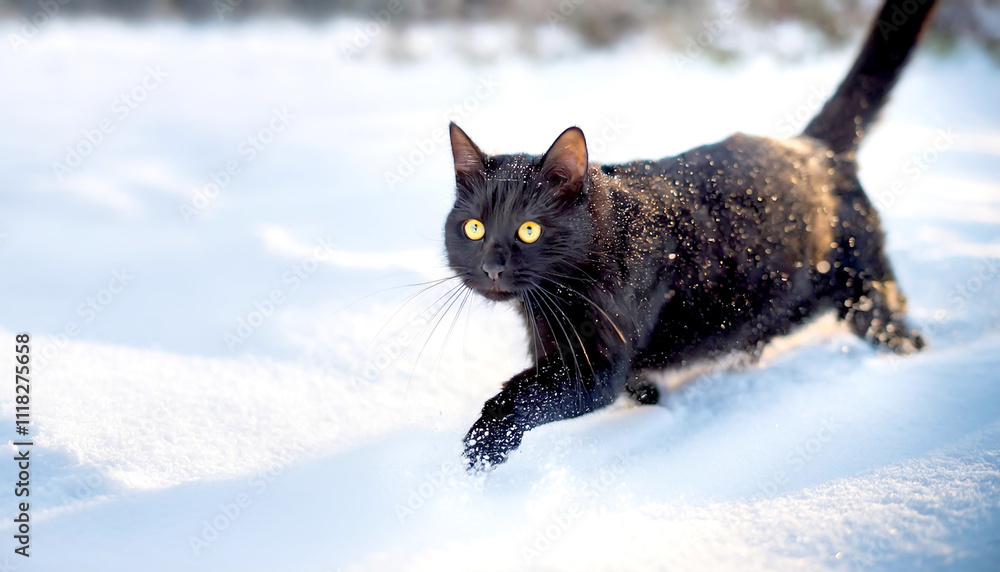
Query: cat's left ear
[469,160]
[565,163]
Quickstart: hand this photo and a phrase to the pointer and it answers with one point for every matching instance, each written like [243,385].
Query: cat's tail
[843,120]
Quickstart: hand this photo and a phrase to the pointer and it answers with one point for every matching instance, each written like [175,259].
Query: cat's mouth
[492,290]
[497,293]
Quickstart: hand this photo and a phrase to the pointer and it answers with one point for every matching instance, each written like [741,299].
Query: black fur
[651,264]
[845,117]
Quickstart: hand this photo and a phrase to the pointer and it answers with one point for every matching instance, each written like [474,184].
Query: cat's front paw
[490,440]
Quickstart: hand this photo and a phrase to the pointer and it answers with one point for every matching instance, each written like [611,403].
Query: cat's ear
[469,160]
[565,163]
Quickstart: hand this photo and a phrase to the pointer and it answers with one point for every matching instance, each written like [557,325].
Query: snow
[166,440]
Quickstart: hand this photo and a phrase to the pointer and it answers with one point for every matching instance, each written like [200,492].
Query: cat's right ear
[565,163]
[469,160]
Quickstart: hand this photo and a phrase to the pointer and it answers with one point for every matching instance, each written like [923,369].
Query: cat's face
[519,222]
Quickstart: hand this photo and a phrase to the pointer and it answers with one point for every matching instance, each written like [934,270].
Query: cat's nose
[493,269]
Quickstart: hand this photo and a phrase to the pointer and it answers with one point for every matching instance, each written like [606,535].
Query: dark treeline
[597,22]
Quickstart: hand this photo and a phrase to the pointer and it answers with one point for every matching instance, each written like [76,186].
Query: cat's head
[520,222]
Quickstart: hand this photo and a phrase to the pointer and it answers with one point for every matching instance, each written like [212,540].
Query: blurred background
[596,23]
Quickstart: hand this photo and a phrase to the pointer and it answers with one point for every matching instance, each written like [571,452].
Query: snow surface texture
[310,444]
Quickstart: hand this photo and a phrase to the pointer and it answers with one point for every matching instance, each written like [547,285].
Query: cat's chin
[497,294]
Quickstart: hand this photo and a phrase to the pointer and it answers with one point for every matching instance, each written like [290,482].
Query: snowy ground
[208,395]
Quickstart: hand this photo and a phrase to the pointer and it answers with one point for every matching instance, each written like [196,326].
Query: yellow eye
[474,229]
[529,232]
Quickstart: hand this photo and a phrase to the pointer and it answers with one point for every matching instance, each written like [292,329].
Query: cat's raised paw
[490,441]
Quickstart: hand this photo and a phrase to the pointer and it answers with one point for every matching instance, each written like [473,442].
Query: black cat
[620,269]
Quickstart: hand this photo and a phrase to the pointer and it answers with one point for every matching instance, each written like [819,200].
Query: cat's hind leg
[865,287]
[878,315]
